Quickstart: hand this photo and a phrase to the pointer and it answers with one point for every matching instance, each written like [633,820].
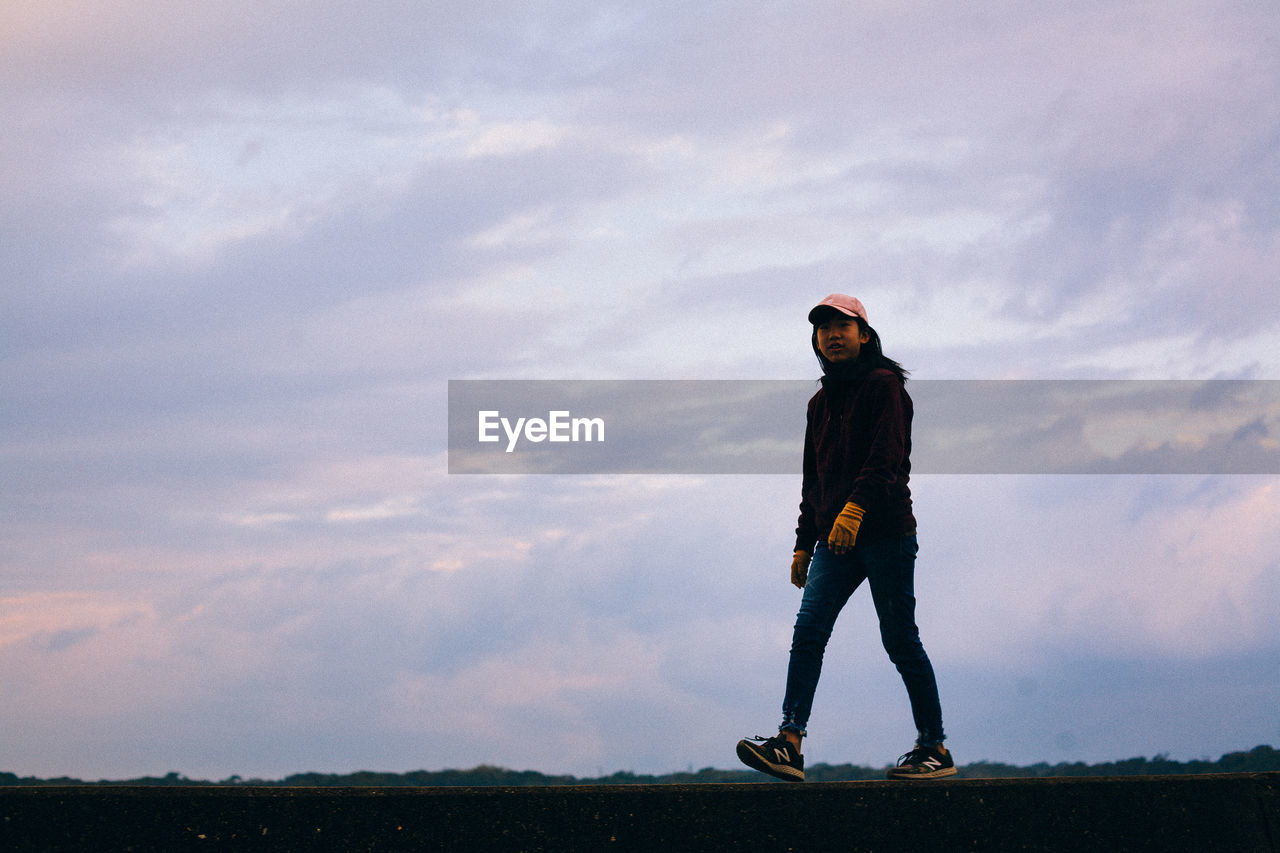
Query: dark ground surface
[1236,812]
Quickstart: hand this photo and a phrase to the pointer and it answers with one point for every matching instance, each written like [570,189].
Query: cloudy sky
[244,247]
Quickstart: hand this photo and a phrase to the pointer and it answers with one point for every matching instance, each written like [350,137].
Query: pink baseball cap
[839,302]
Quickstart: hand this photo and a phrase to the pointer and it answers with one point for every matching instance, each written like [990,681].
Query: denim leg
[832,579]
[890,571]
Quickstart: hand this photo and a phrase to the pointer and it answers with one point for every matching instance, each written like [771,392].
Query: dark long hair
[871,356]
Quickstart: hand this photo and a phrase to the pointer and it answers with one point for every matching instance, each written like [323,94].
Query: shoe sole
[940,773]
[756,761]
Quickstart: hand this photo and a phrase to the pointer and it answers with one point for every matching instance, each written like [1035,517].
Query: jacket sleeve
[807,525]
[888,443]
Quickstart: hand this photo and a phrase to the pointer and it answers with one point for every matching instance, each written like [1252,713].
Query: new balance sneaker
[924,762]
[776,756]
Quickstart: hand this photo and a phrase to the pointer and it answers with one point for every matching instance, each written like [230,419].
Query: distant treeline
[1257,760]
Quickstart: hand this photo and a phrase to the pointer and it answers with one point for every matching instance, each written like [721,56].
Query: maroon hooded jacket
[857,447]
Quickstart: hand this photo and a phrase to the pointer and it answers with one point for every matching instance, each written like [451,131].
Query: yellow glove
[845,529]
[800,568]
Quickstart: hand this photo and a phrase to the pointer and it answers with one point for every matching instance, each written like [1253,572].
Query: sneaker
[776,756]
[924,762]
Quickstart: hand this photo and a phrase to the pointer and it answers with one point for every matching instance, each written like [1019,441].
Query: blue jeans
[889,568]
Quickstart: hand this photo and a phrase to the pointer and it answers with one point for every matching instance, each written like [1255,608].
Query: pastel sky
[244,245]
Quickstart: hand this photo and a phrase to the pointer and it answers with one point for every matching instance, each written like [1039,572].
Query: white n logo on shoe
[782,754]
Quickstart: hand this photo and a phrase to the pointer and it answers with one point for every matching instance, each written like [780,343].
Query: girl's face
[840,339]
